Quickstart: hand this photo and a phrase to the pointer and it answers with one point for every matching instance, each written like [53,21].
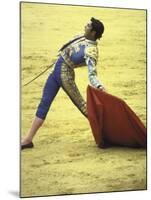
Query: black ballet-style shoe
[26,146]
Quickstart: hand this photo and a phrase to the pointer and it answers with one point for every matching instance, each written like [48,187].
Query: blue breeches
[62,76]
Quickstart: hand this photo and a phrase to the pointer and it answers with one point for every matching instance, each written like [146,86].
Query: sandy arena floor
[65,159]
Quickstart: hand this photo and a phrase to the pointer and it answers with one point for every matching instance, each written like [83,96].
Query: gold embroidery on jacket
[92,51]
[68,51]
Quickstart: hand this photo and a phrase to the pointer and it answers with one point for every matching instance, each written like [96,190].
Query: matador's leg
[69,86]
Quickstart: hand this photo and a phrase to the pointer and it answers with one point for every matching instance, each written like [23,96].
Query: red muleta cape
[113,122]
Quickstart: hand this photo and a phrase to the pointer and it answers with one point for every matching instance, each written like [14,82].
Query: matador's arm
[91,56]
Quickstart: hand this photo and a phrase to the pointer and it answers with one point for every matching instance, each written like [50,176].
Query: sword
[38,75]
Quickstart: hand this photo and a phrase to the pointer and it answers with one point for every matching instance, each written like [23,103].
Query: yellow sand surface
[65,159]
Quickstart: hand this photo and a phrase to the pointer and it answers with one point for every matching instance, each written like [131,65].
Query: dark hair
[98,27]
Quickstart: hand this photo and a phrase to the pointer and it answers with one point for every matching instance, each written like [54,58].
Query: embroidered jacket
[80,52]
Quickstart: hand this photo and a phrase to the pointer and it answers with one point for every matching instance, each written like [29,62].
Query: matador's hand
[102,88]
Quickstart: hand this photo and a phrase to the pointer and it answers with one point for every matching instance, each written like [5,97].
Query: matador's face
[88,28]
[88,33]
